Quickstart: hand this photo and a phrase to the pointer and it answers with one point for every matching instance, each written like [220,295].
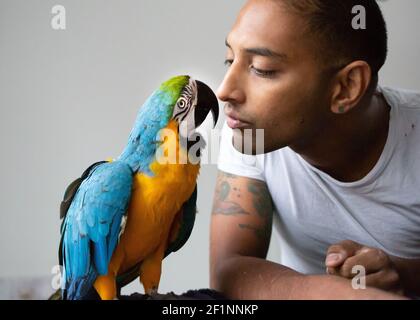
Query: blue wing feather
[92,225]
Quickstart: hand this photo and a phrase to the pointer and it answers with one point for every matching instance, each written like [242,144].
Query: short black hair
[330,22]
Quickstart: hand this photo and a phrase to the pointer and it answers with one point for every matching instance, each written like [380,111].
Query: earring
[341,109]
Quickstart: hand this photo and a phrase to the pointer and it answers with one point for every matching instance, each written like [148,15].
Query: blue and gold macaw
[122,217]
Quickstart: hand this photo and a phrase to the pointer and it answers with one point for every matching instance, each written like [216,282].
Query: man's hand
[380,270]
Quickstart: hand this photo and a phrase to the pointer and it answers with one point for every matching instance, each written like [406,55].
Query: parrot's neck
[140,150]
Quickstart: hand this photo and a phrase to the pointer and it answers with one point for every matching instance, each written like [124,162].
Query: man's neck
[352,144]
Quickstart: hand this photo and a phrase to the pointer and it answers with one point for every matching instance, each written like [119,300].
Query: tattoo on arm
[224,206]
[227,203]
[261,199]
[229,209]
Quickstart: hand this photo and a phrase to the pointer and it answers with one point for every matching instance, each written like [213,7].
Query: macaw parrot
[123,216]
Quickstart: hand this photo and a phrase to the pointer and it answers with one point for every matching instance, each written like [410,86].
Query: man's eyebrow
[265,52]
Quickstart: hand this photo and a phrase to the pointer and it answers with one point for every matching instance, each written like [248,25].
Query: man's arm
[409,274]
[239,239]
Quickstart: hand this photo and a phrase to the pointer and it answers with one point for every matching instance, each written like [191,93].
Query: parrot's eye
[182,103]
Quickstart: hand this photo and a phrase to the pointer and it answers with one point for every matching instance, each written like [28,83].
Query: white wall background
[69,98]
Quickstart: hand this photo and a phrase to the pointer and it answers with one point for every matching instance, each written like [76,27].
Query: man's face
[273,81]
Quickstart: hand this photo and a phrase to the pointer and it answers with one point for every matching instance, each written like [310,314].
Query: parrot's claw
[152,292]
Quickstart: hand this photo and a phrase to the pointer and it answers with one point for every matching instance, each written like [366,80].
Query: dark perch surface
[201,294]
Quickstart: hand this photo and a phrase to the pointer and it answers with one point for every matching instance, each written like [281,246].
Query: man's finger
[335,259]
[372,260]
[388,281]
[338,253]
[332,271]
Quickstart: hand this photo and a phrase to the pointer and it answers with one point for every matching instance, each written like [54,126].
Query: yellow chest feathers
[174,177]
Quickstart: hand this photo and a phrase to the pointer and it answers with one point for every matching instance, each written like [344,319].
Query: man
[341,170]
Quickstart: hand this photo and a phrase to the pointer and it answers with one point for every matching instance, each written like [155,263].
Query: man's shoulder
[403,99]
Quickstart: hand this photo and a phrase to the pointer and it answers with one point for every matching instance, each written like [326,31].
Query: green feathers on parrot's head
[173,87]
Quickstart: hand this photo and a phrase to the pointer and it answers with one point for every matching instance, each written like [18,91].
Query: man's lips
[235,123]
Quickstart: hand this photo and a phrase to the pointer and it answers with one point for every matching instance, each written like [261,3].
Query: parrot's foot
[106,287]
[152,292]
[150,270]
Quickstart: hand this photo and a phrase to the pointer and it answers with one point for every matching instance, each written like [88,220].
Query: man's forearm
[240,277]
[409,272]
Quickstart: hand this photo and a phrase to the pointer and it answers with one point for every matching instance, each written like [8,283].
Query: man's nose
[230,90]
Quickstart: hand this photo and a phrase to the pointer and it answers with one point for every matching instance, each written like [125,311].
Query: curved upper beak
[206,101]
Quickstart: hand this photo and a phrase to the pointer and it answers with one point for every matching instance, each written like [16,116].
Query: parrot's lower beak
[206,101]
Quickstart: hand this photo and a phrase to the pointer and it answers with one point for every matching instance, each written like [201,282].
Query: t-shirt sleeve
[232,161]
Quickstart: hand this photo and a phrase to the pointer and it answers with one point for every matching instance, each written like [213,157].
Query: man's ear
[349,86]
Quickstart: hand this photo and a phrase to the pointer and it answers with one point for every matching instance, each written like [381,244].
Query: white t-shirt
[314,210]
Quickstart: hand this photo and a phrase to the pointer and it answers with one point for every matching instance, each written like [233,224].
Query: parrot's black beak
[206,101]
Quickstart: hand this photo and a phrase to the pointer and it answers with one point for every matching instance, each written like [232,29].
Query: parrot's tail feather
[100,254]
[80,288]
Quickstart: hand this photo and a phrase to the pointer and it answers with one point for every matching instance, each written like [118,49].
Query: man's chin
[254,146]
[249,141]
[251,149]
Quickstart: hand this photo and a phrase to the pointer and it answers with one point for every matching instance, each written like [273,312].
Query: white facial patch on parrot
[184,109]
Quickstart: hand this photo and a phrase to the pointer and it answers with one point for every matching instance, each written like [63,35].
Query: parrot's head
[180,104]
[192,100]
